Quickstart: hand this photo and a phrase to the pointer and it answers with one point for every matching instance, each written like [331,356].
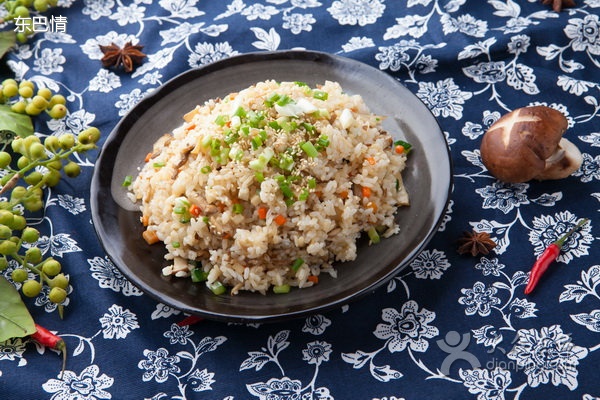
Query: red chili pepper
[190,320]
[48,339]
[548,256]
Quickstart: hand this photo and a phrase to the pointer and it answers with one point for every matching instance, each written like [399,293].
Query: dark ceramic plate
[428,179]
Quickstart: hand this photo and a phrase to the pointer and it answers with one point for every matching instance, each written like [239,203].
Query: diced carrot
[190,127]
[366,191]
[190,115]
[399,149]
[227,235]
[148,157]
[371,160]
[313,279]
[280,219]
[262,212]
[343,194]
[150,237]
[372,206]
[145,220]
[195,211]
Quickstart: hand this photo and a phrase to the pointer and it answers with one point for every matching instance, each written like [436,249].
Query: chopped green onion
[304,195]
[206,220]
[256,142]
[289,126]
[298,83]
[181,208]
[198,275]
[176,245]
[231,137]
[127,181]
[288,193]
[279,178]
[240,112]
[256,165]
[238,208]
[236,122]
[284,100]
[310,128]
[373,235]
[221,120]
[224,154]
[236,154]
[281,289]
[269,101]
[322,113]
[262,161]
[259,177]
[206,140]
[217,288]
[178,210]
[320,95]
[206,169]
[159,164]
[323,141]
[275,125]
[309,149]
[286,162]
[407,146]
[255,119]
[297,264]
[312,183]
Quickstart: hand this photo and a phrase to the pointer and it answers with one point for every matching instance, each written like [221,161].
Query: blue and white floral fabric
[447,327]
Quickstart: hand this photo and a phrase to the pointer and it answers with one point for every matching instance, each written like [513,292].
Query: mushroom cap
[515,148]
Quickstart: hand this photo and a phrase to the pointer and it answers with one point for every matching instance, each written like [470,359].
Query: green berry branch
[28,165]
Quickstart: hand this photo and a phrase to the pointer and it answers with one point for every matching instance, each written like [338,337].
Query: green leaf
[15,320]
[7,41]
[19,124]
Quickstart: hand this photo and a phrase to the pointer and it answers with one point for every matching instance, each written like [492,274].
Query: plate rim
[112,142]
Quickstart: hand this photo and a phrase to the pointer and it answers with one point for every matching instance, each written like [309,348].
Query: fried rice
[267,188]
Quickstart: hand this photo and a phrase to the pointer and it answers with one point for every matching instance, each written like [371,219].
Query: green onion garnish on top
[407,146]
[297,264]
[320,95]
[309,149]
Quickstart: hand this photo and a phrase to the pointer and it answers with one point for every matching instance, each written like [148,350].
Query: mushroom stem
[563,162]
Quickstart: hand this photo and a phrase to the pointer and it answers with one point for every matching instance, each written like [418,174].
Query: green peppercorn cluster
[25,98]
[28,166]
[24,9]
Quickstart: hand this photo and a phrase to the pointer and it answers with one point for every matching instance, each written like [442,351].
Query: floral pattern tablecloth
[449,326]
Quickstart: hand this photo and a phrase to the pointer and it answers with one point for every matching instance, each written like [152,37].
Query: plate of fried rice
[270,185]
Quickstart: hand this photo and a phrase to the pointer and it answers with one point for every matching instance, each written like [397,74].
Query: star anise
[558,5]
[129,56]
[475,243]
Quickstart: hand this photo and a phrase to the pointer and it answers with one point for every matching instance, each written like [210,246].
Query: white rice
[314,217]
